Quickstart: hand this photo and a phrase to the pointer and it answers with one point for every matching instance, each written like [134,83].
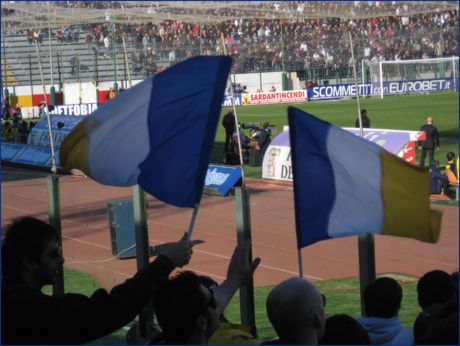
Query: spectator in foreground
[434,289]
[454,277]
[365,120]
[438,327]
[188,312]
[31,257]
[344,330]
[296,311]
[382,301]
[228,333]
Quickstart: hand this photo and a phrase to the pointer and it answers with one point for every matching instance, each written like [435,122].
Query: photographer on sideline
[264,138]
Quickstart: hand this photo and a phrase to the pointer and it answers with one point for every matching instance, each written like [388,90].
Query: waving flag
[158,134]
[345,185]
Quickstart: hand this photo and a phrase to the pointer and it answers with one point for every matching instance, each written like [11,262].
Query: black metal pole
[31,86]
[59,71]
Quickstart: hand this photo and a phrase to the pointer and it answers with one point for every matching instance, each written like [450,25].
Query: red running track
[86,239]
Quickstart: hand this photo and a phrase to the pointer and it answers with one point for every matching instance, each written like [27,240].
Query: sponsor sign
[277,159]
[61,125]
[408,153]
[221,179]
[28,155]
[389,88]
[274,97]
[10,150]
[77,109]
[277,163]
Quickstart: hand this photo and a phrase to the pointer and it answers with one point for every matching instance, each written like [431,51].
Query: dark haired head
[434,287]
[178,302]
[382,298]
[363,112]
[344,330]
[24,237]
[450,156]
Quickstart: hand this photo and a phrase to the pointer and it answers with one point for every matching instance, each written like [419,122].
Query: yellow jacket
[229,333]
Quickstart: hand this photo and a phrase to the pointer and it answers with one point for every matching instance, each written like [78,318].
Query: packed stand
[260,44]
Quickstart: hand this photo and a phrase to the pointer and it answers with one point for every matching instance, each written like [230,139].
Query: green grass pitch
[406,112]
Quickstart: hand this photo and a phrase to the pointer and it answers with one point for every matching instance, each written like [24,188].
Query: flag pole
[243,223]
[366,240]
[192,221]
[53,159]
[299,254]
[234,113]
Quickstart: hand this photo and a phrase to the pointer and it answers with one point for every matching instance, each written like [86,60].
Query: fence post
[54,215]
[142,254]
[243,229]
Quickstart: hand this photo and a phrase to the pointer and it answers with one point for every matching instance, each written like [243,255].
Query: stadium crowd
[259,44]
[189,308]
[264,44]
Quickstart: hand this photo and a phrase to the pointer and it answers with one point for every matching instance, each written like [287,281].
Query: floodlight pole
[366,240]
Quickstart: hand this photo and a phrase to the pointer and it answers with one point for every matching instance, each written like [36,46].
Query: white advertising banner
[274,97]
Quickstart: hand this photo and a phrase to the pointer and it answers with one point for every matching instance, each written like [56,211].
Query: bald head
[295,309]
[429,120]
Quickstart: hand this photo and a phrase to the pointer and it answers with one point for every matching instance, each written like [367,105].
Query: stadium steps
[10,76]
[18,50]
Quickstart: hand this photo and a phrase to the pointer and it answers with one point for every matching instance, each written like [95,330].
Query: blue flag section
[345,185]
[182,125]
[158,134]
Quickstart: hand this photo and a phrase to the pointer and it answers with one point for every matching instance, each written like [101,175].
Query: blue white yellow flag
[158,134]
[345,185]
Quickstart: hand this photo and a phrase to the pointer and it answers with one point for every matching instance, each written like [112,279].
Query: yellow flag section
[406,202]
[73,152]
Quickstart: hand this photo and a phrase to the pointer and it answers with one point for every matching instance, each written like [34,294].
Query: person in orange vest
[111,94]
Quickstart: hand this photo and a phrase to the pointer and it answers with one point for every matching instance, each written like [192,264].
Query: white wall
[253,81]
[74,93]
